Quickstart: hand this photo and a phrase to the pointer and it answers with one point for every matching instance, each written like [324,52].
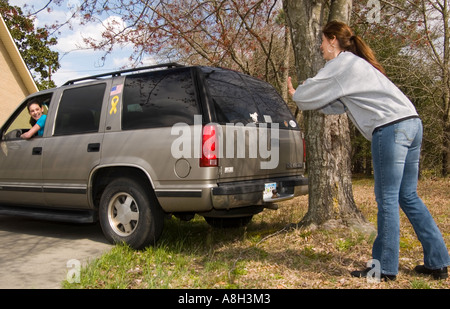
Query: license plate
[269,187]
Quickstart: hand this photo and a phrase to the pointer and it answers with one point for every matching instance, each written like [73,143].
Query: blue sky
[77,61]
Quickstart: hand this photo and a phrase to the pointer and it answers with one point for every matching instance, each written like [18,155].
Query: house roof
[16,58]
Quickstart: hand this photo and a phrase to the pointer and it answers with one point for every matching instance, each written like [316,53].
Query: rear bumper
[251,193]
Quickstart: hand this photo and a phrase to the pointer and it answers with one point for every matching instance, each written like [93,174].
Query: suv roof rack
[118,73]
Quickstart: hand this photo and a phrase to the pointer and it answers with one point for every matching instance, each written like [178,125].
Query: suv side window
[159,99]
[79,110]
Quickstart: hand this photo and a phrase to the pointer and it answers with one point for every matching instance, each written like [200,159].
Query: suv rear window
[159,99]
[240,98]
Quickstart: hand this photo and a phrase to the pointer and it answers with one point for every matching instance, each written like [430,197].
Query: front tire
[130,214]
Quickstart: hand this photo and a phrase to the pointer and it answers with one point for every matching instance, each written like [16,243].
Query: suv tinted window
[79,110]
[244,99]
[159,99]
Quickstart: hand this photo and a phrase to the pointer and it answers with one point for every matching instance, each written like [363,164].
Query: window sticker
[267,119]
[115,90]
[254,117]
[114,102]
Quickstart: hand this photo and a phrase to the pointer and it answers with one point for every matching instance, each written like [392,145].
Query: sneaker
[363,274]
[440,273]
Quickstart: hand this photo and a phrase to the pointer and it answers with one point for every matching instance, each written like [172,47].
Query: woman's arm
[291,88]
[335,108]
[316,93]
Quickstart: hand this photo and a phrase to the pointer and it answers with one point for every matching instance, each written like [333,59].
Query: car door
[21,160]
[73,150]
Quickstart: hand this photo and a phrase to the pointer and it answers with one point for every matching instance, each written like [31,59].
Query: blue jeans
[395,155]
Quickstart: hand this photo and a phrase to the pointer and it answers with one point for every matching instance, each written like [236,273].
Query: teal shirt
[41,124]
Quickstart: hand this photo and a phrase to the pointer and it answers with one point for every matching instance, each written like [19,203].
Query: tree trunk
[446,152]
[285,67]
[327,137]
[446,90]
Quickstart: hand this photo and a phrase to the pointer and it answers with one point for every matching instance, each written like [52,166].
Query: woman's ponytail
[361,49]
[352,43]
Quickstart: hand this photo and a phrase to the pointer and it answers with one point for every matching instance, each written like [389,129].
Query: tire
[130,214]
[228,222]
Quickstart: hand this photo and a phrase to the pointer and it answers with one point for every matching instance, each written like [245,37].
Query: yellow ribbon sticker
[114,102]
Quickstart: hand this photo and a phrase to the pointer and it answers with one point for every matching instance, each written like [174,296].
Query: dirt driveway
[39,254]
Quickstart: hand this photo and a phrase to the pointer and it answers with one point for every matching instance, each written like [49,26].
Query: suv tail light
[209,150]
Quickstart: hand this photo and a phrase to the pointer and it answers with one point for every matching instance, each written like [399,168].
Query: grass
[264,255]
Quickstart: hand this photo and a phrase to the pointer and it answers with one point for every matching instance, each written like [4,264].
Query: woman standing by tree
[353,81]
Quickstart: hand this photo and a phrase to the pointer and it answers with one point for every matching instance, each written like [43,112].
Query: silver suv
[126,148]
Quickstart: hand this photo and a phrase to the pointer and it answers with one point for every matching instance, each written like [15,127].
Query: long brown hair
[352,43]
[32,120]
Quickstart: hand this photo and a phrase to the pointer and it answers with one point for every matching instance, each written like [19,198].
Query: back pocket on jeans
[405,134]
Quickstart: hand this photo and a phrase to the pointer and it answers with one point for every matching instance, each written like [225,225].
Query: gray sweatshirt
[350,84]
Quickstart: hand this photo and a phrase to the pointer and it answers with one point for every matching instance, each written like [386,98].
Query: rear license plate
[268,190]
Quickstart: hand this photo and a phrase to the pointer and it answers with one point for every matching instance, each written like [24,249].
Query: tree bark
[327,137]
[446,90]
[286,63]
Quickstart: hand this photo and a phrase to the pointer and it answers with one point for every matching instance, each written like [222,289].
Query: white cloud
[76,58]
[149,60]
[75,39]
[121,62]
[125,62]
[72,36]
